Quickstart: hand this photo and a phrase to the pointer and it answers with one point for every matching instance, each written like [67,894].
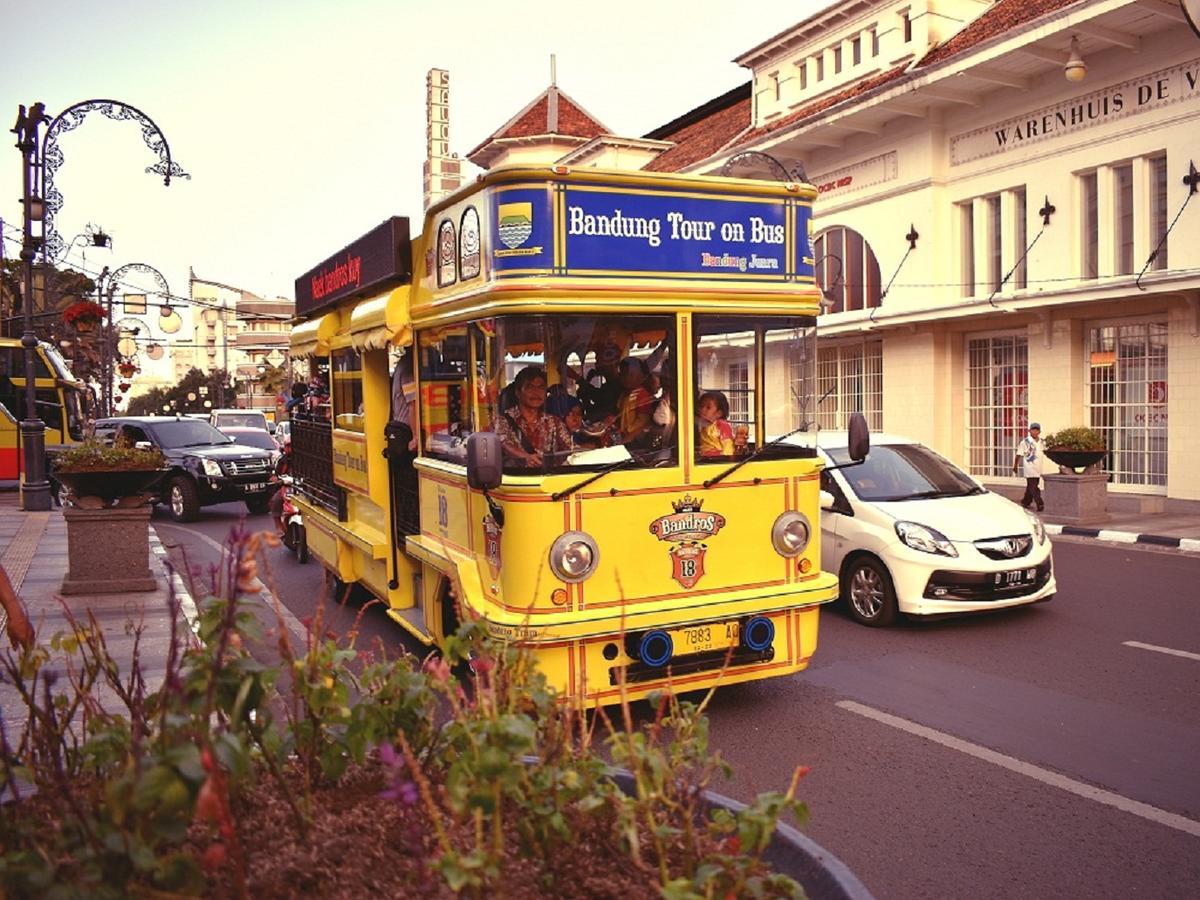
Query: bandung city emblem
[687,528]
[515,223]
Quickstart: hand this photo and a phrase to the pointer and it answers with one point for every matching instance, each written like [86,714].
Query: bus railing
[312,464]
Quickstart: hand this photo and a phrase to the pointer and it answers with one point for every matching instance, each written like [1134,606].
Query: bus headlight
[790,533]
[574,556]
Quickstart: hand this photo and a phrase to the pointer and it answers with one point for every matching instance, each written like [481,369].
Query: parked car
[908,532]
[252,437]
[239,418]
[206,466]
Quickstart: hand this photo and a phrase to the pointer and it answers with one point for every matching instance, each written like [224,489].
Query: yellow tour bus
[581,405]
[63,403]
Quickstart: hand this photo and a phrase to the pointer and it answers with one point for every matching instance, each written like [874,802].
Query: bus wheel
[868,592]
[335,588]
[450,610]
[183,499]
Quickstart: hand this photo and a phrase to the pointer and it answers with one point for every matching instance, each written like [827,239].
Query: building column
[1106,218]
[1142,188]
[981,249]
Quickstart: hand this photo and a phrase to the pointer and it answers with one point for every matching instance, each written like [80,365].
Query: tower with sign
[442,169]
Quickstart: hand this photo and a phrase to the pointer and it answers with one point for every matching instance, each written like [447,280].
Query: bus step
[412,620]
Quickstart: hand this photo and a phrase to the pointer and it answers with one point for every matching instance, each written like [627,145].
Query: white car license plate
[257,486]
[1016,578]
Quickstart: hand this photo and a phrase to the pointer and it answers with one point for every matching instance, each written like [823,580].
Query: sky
[302,123]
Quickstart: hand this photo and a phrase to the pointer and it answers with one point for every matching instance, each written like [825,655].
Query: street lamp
[35,493]
[106,349]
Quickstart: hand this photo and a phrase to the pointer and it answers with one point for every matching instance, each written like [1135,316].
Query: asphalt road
[1041,752]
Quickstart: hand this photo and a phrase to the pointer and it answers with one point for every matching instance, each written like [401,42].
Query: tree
[202,385]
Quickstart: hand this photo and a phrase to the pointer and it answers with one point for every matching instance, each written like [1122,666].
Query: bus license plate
[1016,578]
[705,638]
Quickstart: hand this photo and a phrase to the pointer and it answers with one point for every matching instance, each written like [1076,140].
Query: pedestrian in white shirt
[1030,453]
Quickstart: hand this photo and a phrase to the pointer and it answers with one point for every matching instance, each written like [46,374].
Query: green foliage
[126,786]
[1075,439]
[176,397]
[93,456]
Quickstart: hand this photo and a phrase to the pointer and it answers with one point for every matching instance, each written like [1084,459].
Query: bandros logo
[686,528]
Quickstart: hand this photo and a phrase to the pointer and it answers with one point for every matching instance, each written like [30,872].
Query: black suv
[206,466]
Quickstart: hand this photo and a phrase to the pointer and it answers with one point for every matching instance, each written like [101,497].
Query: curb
[187,604]
[1191,545]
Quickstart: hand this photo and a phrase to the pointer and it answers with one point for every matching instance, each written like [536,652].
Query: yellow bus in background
[579,405]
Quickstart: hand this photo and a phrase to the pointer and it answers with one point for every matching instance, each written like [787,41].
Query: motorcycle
[291,522]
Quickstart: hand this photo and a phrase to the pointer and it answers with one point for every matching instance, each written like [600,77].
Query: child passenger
[636,404]
[716,435]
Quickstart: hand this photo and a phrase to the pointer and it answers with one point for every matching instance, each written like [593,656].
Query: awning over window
[384,320]
[312,338]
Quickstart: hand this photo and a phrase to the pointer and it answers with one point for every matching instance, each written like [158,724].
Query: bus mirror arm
[494,508]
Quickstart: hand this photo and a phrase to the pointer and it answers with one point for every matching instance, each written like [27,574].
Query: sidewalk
[33,551]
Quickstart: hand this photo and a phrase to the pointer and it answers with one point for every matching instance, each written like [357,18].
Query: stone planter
[108,551]
[1074,460]
[1076,499]
[109,486]
[822,875]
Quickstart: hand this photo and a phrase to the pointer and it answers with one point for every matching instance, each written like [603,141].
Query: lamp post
[106,349]
[35,493]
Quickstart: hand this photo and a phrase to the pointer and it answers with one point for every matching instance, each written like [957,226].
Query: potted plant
[127,369]
[83,316]
[1075,448]
[107,515]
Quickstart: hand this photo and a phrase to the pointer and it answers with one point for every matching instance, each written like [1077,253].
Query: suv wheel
[183,499]
[257,504]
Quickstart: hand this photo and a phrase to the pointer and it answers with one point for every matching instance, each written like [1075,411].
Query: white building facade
[998,243]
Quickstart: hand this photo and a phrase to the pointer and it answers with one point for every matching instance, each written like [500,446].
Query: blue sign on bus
[609,232]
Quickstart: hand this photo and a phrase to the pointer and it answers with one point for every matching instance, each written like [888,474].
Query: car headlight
[1039,530]
[211,467]
[925,539]
[574,556]
[790,533]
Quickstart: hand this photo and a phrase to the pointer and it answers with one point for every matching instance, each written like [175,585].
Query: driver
[526,430]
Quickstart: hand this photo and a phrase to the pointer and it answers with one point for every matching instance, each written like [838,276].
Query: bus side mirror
[860,437]
[484,460]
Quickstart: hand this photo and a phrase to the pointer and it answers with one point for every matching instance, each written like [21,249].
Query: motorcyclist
[283,466]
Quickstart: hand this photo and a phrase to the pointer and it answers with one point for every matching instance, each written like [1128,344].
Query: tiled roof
[536,118]
[1004,15]
[704,131]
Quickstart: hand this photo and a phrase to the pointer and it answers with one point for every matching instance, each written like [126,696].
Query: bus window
[736,357]
[574,391]
[347,390]
[445,414]
[76,421]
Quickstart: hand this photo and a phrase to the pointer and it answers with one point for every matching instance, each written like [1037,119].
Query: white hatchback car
[908,532]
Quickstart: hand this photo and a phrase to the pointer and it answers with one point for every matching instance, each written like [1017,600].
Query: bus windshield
[564,392]
[755,380]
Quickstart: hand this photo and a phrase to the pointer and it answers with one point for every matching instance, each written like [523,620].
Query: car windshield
[255,438]
[242,420]
[894,472]
[186,433]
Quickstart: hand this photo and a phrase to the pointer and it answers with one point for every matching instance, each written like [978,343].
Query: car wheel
[258,504]
[868,592]
[183,499]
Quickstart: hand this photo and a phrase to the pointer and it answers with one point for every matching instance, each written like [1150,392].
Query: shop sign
[865,174]
[607,231]
[381,257]
[350,461]
[1159,89]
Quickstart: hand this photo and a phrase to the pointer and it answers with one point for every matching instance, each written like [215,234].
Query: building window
[1089,216]
[803,67]
[1158,209]
[1020,277]
[850,378]
[874,42]
[820,67]
[856,51]
[738,379]
[906,22]
[997,402]
[966,218]
[994,241]
[847,270]
[837,60]
[1127,399]
[1123,175]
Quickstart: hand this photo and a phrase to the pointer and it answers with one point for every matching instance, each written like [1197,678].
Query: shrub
[93,456]
[240,778]
[1075,439]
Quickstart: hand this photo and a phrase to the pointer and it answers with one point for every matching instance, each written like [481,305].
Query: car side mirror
[828,501]
[143,445]
[484,460]
[270,428]
[859,444]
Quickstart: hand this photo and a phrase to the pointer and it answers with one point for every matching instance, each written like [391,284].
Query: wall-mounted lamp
[1076,68]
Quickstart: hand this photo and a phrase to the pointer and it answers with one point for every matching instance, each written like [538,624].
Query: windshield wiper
[758,451]
[611,467]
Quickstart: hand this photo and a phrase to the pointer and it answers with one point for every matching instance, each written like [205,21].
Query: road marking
[1037,773]
[1185,654]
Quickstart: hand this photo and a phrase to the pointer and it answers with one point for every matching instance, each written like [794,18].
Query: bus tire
[183,499]
[868,593]
[449,610]
[301,544]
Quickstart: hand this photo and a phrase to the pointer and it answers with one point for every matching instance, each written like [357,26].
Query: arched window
[847,270]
